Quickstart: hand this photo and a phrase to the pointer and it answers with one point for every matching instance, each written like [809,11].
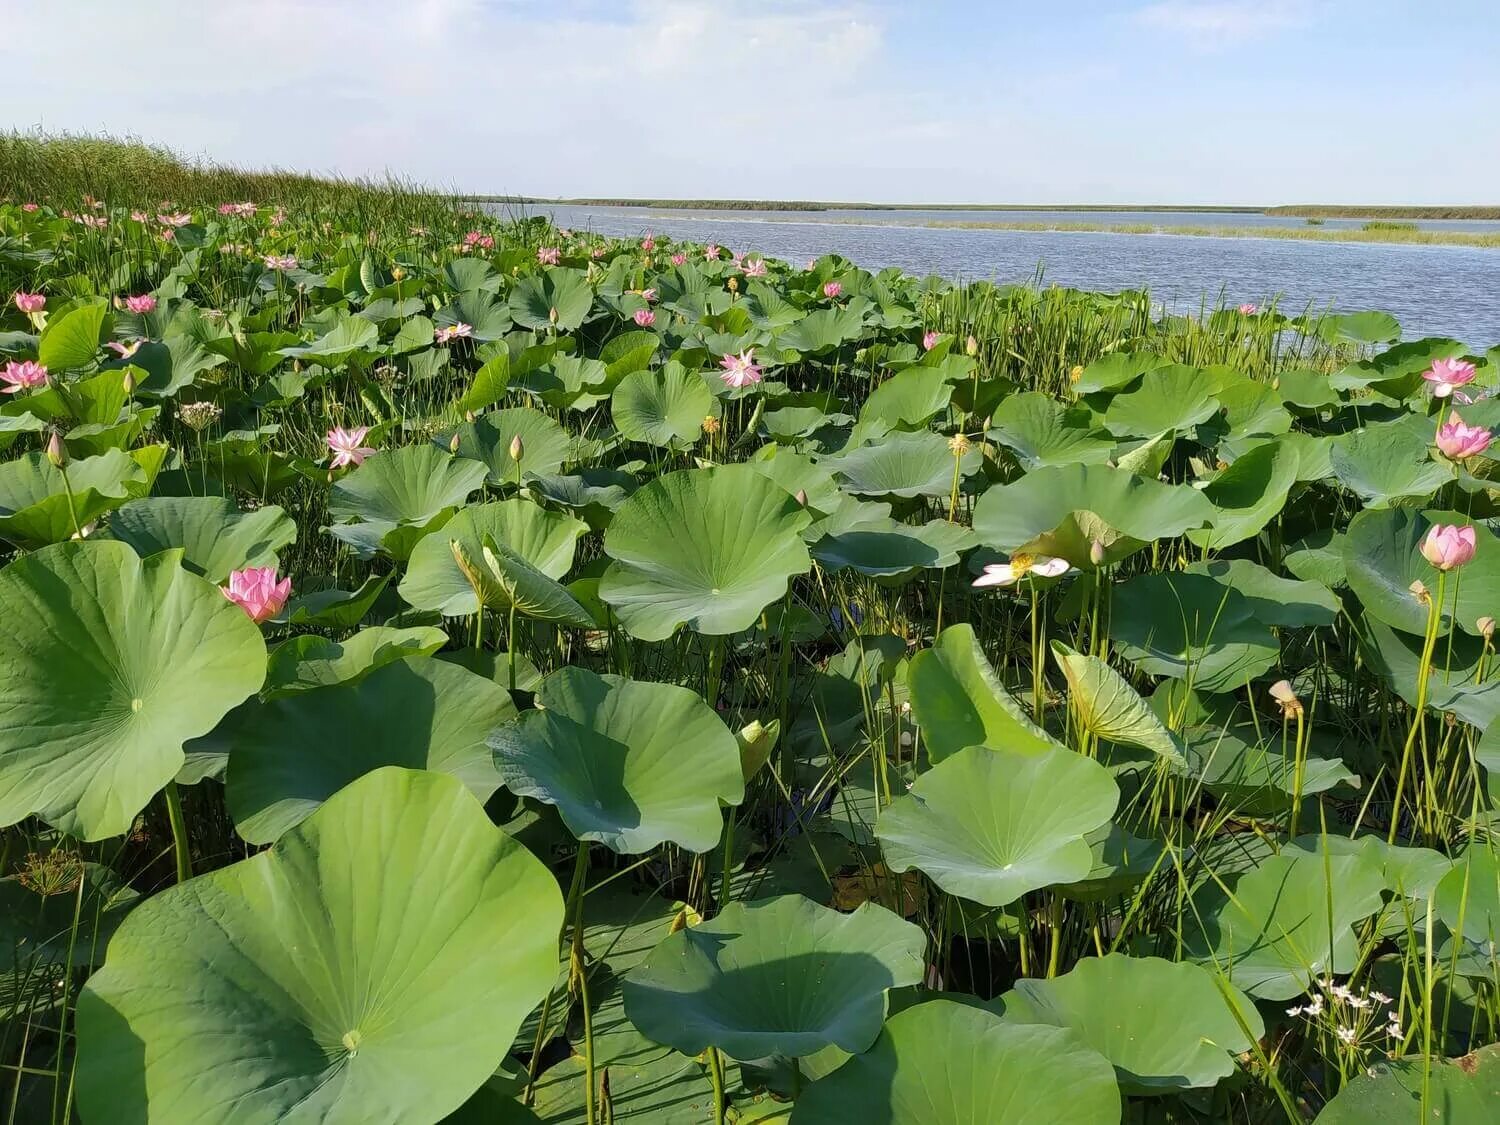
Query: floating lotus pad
[778,976]
[375,965]
[113,663]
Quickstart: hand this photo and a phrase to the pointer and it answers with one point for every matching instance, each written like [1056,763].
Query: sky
[944,101]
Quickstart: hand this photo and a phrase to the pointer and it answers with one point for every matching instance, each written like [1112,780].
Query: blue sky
[1146,101]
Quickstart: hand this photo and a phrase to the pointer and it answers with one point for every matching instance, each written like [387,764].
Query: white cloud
[1215,24]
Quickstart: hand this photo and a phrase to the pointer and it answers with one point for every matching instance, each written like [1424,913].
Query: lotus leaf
[1189,626]
[903,464]
[215,536]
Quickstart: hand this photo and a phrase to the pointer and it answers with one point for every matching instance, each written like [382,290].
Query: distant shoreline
[1291,210]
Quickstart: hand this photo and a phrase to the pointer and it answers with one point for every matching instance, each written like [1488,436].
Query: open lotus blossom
[755,267]
[645,317]
[123,350]
[548,255]
[30,302]
[451,332]
[480,240]
[244,210]
[1447,545]
[679,259]
[255,590]
[280,262]
[648,243]
[832,289]
[176,219]
[31,208]
[648,295]
[142,304]
[22,375]
[1249,308]
[348,445]
[1447,375]
[596,253]
[711,252]
[1009,573]
[1458,440]
[139,217]
[740,370]
[930,339]
[94,222]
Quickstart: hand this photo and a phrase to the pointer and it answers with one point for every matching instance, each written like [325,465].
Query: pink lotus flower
[1448,545]
[755,267]
[176,219]
[29,303]
[1446,375]
[548,255]
[1009,573]
[459,331]
[480,239]
[679,259]
[22,375]
[1458,440]
[139,217]
[648,243]
[143,304]
[832,289]
[596,253]
[740,370]
[124,351]
[645,317]
[711,253]
[278,216]
[243,210]
[255,590]
[94,222]
[648,295]
[1249,308]
[348,445]
[30,208]
[930,339]
[281,263]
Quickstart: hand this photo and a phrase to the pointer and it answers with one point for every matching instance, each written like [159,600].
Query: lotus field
[463,670]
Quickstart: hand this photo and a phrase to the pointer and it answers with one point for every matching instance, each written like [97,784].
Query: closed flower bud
[802,497]
[128,382]
[1486,627]
[971,346]
[57,453]
[453,444]
[1096,552]
[517,448]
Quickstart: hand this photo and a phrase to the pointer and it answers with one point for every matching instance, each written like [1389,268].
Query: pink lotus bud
[1448,545]
[57,452]
[1458,441]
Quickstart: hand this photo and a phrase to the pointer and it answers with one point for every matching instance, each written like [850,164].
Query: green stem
[1434,616]
[179,832]
[716,1077]
[580,975]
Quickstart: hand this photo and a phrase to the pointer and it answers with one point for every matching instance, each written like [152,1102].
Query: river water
[1432,290]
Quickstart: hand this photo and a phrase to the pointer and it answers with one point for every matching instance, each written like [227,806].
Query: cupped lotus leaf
[778,976]
[889,549]
[1368,327]
[1389,461]
[1165,1026]
[1252,407]
[1109,707]
[593,493]
[34,504]
[513,584]
[798,473]
[434,580]
[627,763]
[1169,399]
[908,399]
[372,968]
[824,329]
[991,824]
[288,755]
[1383,557]
[1062,511]
[1305,388]
[1188,626]
[487,318]
[1462,1091]
[1247,495]
[409,485]
[958,700]
[545,445]
[946,1063]
[1286,921]
[558,300]
[215,536]
[903,464]
[706,548]
[1274,600]
[1116,371]
[1040,431]
[663,408]
[312,661]
[1396,372]
[113,662]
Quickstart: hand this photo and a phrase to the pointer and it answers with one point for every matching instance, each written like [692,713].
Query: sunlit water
[1432,290]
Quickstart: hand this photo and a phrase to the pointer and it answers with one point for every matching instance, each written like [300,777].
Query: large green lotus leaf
[1109,707]
[776,976]
[1286,921]
[558,300]
[887,549]
[990,824]
[215,536]
[958,700]
[1252,408]
[290,754]
[1369,327]
[706,548]
[798,473]
[1121,861]
[663,408]
[1188,626]
[311,661]
[34,509]
[1389,461]
[511,584]
[1039,430]
[37,929]
[1247,495]
[1468,896]
[545,539]
[1463,1091]
[1252,769]
[593,493]
[902,464]
[1383,557]
[352,336]
[112,663]
[409,485]
[545,445]
[824,329]
[908,399]
[1397,371]
[1169,399]
[487,317]
[333,608]
[1410,872]
[1116,370]
[372,968]
[1274,600]
[947,1063]
[1062,510]
[627,763]
[1455,684]
[74,338]
[1165,1026]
